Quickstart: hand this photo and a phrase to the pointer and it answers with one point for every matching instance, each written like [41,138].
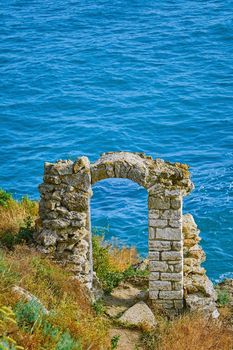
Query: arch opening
[119,211]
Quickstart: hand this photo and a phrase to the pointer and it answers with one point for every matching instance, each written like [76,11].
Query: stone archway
[65,229]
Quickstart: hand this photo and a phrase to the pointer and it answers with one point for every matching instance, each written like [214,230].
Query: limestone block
[158,223]
[170,268]
[63,167]
[159,202]
[178,304]
[45,188]
[159,245]
[158,266]
[165,304]
[171,255]
[177,246]
[169,234]
[48,168]
[54,180]
[190,229]
[160,285]
[176,203]
[177,285]
[121,169]
[81,180]
[57,223]
[172,193]
[175,223]
[171,295]
[153,214]
[154,276]
[197,253]
[153,294]
[154,256]
[171,214]
[178,267]
[80,164]
[72,215]
[76,201]
[47,238]
[191,242]
[51,204]
[98,172]
[151,231]
[50,215]
[171,276]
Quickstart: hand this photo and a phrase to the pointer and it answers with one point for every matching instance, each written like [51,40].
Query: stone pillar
[165,248]
[64,228]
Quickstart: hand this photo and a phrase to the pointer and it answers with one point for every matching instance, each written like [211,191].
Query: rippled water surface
[85,77]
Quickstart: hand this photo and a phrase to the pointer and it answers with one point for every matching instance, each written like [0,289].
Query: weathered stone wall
[199,290]
[65,232]
[166,248]
[64,227]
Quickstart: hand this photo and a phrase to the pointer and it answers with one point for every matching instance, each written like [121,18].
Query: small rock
[139,314]
[206,305]
[125,295]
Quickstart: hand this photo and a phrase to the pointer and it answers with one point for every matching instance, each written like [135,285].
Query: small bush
[99,307]
[223,297]
[29,315]
[24,235]
[5,197]
[66,342]
[15,215]
[114,342]
[110,273]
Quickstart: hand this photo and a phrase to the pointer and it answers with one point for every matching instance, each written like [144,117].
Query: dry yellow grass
[63,296]
[194,332]
[13,216]
[121,259]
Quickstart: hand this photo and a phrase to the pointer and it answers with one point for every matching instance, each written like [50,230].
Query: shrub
[107,275]
[223,297]
[15,215]
[99,307]
[110,273]
[24,235]
[29,315]
[5,197]
[114,342]
[66,342]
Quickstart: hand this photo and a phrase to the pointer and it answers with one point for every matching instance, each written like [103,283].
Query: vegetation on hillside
[190,331]
[113,265]
[63,318]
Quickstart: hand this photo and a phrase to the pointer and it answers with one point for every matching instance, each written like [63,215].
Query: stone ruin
[64,227]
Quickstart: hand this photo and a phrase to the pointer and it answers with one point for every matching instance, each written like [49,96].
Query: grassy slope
[72,323]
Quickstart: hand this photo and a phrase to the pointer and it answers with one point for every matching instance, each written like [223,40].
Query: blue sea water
[86,77]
